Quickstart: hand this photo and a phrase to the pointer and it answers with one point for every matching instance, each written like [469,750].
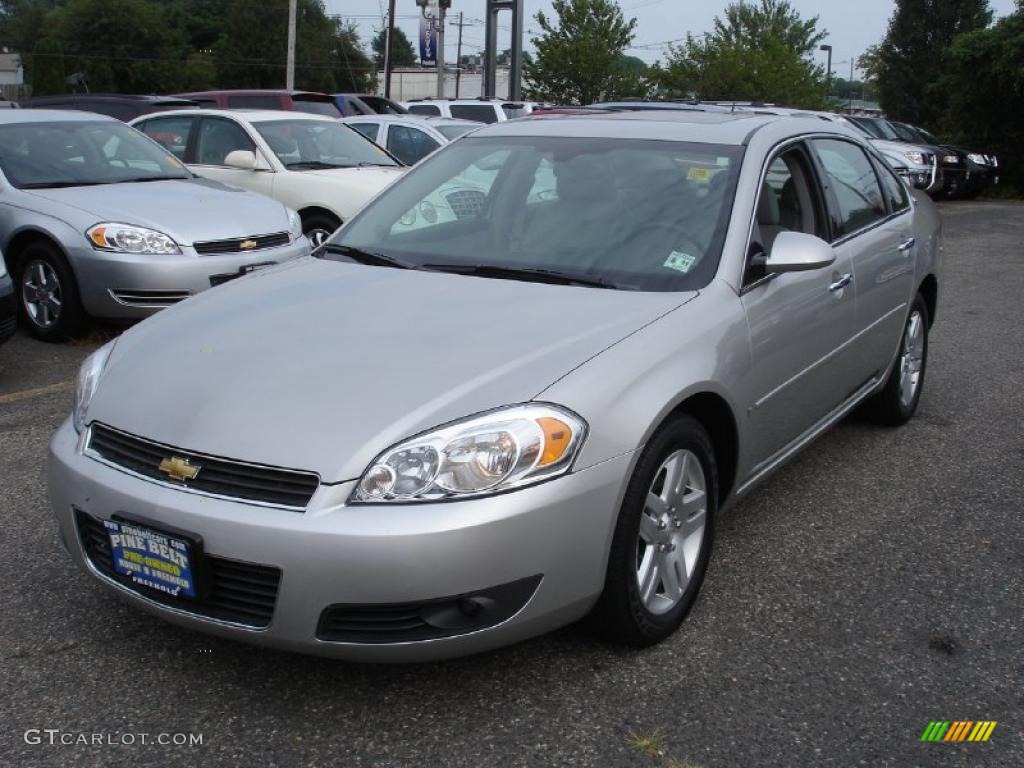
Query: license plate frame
[174,567]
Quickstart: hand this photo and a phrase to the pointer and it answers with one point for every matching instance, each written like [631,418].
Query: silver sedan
[439,437]
[97,220]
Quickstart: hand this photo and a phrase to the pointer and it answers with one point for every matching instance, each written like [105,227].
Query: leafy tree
[909,62]
[402,52]
[757,52]
[984,74]
[578,56]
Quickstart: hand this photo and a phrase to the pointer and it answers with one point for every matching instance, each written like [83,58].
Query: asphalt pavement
[872,586]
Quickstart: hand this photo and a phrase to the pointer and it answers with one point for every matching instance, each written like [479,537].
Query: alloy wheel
[671,534]
[912,359]
[41,293]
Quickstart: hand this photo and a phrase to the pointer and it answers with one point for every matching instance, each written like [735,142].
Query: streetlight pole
[441,7]
[387,48]
[289,76]
[828,77]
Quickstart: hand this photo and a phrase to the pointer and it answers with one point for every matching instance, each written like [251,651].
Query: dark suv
[123,106]
[974,171]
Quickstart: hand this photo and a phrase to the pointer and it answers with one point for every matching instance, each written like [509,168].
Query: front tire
[318,227]
[48,294]
[662,540]
[897,402]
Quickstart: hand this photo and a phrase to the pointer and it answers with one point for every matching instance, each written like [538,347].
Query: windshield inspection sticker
[681,262]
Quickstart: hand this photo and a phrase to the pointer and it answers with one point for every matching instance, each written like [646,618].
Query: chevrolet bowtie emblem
[247,245]
[179,469]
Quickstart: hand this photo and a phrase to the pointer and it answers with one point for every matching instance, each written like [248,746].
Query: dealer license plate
[151,558]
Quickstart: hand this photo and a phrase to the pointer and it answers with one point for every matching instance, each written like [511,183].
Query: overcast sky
[853,25]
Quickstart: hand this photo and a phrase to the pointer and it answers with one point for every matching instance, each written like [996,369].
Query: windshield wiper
[313,165]
[60,184]
[365,257]
[532,274]
[147,178]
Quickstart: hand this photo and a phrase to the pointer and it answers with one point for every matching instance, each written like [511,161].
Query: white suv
[479,110]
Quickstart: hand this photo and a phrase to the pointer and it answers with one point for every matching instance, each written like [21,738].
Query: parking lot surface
[873,585]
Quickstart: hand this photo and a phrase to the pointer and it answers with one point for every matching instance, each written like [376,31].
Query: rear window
[315,106]
[255,101]
[452,131]
[424,109]
[481,113]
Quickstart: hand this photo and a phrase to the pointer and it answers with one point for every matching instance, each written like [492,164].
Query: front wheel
[897,402]
[662,539]
[318,228]
[49,296]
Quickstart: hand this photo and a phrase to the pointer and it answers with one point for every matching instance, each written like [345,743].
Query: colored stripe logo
[958,730]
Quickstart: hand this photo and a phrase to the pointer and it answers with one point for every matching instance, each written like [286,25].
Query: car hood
[188,210]
[320,365]
[897,150]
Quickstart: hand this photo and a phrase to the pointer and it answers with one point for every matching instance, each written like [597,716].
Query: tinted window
[452,131]
[369,130]
[255,101]
[894,188]
[424,109]
[218,138]
[481,113]
[315,106]
[410,145]
[647,215]
[853,183]
[172,133]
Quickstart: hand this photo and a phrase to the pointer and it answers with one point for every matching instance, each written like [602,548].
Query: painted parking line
[28,394]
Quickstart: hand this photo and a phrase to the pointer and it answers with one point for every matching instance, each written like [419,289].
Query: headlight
[915,157]
[294,225]
[127,238]
[497,451]
[3,266]
[88,379]
[979,159]
[950,159]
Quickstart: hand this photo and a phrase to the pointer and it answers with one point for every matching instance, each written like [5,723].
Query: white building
[415,83]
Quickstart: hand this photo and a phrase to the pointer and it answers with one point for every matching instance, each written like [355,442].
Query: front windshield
[79,153]
[630,214]
[311,144]
[885,131]
[905,132]
[452,131]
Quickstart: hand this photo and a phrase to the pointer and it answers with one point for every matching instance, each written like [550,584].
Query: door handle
[840,282]
[905,246]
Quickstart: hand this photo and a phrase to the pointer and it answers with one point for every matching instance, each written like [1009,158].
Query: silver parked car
[97,220]
[432,441]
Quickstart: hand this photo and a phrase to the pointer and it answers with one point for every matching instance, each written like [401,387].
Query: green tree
[757,52]
[578,56]
[908,64]
[402,53]
[984,74]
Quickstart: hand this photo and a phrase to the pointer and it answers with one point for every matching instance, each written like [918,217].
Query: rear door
[873,231]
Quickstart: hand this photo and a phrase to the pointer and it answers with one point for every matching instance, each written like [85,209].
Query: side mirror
[242,159]
[798,252]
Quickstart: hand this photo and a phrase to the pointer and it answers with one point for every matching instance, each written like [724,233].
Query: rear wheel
[48,294]
[662,540]
[897,402]
[318,227]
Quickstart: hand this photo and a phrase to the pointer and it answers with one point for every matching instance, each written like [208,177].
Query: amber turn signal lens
[99,236]
[557,436]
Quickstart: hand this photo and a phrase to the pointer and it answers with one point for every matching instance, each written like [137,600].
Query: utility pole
[458,59]
[852,59]
[828,77]
[442,6]
[387,48]
[289,77]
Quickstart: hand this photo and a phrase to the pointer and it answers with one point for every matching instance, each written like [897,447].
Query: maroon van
[293,101]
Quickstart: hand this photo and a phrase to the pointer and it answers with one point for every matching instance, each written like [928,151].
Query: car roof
[250,115]
[228,91]
[146,98]
[671,125]
[54,116]
[430,120]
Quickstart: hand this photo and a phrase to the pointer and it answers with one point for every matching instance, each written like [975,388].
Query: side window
[854,184]
[424,109]
[410,145]
[788,203]
[254,101]
[172,133]
[218,138]
[894,188]
[369,130]
[481,113]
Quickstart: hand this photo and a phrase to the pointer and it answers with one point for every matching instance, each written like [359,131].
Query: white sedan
[410,138]
[313,164]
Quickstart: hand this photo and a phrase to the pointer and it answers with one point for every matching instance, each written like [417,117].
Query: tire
[318,226]
[48,294]
[895,404]
[623,613]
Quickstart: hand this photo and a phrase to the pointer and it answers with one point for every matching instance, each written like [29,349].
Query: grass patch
[649,744]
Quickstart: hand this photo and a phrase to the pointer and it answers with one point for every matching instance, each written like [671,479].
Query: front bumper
[369,556]
[124,286]
[8,308]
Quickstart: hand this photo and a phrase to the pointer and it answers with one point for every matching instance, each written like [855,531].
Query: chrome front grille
[243,244]
[220,477]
